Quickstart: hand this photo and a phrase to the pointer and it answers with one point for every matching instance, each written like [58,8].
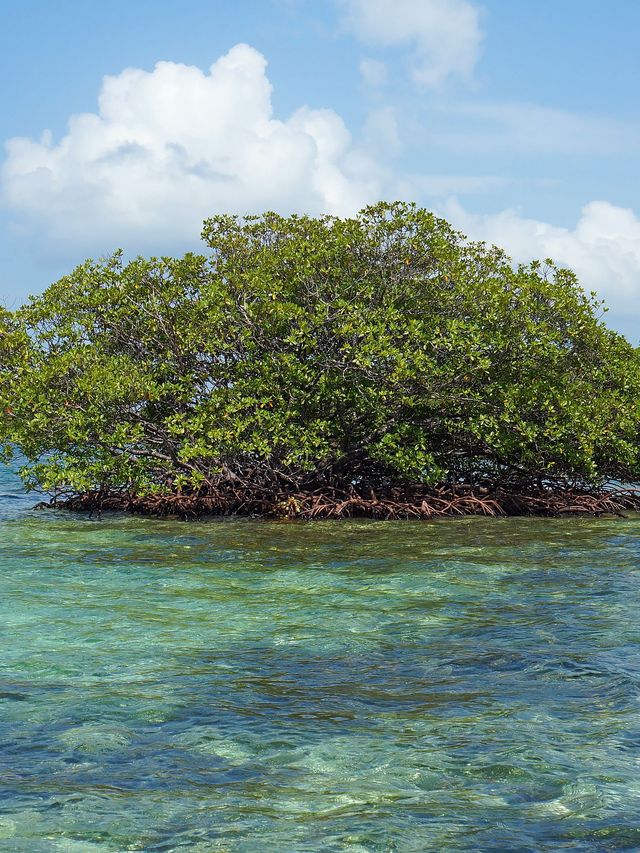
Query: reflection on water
[248,686]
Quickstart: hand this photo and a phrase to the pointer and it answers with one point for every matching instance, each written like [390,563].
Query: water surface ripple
[246,686]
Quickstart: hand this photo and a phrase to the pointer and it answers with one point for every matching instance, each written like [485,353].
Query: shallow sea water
[468,685]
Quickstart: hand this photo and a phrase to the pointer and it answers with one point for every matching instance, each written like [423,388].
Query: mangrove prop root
[395,503]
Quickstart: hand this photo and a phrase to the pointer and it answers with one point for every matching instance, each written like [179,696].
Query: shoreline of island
[397,503]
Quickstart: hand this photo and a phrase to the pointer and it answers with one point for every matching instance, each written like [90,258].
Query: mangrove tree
[376,365]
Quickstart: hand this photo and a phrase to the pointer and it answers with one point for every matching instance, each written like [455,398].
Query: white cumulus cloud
[170,146]
[603,249]
[444,35]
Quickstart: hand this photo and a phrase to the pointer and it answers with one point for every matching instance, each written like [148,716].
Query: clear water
[248,686]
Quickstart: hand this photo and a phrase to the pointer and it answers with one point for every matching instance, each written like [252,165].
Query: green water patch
[350,686]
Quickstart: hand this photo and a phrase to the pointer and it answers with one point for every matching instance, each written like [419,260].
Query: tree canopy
[301,355]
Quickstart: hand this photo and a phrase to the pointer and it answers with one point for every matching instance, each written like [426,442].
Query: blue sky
[517,120]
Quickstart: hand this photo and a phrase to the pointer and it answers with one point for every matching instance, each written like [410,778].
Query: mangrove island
[381,366]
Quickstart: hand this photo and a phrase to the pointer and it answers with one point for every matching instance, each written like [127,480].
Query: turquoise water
[249,686]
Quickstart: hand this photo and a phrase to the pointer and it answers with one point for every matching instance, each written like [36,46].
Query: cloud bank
[171,146]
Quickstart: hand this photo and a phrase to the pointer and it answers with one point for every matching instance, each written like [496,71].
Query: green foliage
[382,348]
